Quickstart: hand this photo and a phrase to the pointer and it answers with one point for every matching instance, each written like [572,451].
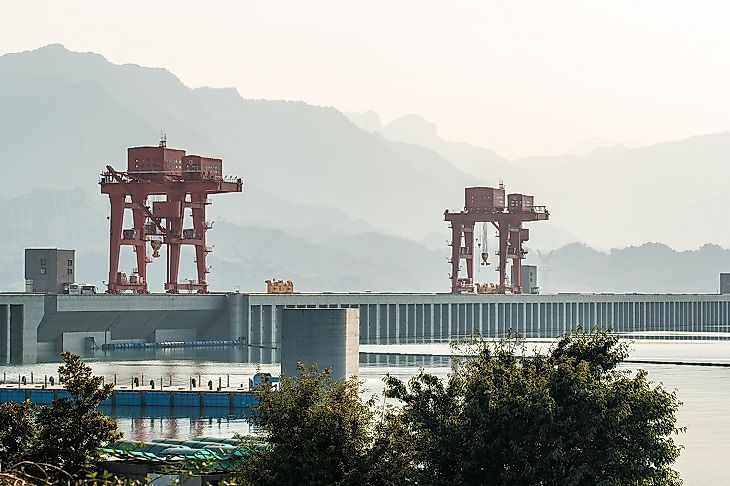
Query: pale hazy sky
[521,77]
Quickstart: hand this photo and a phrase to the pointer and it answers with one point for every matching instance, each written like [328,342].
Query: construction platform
[228,398]
[30,323]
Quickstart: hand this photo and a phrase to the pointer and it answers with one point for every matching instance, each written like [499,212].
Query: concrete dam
[34,323]
[56,313]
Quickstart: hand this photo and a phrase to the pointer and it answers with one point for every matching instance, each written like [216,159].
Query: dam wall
[32,321]
[412,317]
[130,316]
[20,315]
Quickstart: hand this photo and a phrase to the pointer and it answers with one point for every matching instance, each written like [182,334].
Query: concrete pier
[237,316]
[4,333]
[328,338]
[20,315]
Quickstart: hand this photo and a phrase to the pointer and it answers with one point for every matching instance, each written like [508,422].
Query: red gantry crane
[487,205]
[185,181]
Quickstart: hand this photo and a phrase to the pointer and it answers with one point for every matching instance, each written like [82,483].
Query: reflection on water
[179,423]
[704,391]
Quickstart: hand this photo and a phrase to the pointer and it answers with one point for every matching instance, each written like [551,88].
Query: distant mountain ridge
[339,203]
[311,176]
[245,256]
[416,130]
[612,195]
[651,267]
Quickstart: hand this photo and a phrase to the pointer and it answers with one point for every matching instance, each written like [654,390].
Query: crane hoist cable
[485,249]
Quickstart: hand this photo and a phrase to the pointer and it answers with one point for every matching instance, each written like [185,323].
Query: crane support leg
[502,268]
[469,254]
[138,215]
[173,247]
[201,251]
[115,237]
[456,231]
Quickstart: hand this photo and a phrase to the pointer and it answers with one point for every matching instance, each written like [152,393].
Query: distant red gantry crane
[185,181]
[487,205]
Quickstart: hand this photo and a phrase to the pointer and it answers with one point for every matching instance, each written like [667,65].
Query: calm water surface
[704,391]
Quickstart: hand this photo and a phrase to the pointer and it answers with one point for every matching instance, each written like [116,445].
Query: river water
[704,390]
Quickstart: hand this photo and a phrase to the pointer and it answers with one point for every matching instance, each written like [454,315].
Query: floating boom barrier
[174,344]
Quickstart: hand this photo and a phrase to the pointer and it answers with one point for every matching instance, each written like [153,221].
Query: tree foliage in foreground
[569,416]
[65,434]
[317,431]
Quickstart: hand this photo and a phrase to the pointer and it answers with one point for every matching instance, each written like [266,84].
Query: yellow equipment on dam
[276,286]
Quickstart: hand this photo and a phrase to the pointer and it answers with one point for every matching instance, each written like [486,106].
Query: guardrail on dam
[33,322]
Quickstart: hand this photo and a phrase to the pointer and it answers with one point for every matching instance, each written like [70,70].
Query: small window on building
[43,270]
[70,271]
[70,263]
[43,262]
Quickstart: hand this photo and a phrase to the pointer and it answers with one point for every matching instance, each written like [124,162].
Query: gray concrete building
[20,316]
[529,279]
[327,338]
[725,283]
[49,270]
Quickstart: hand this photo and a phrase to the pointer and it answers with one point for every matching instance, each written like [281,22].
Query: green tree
[71,430]
[565,417]
[317,431]
[17,432]
[392,458]
[65,434]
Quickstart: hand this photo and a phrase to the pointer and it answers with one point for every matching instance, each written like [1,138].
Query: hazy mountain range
[335,201]
[612,196]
